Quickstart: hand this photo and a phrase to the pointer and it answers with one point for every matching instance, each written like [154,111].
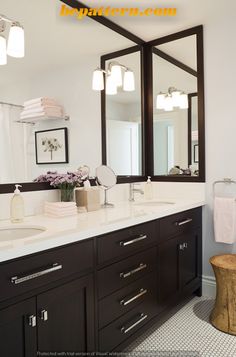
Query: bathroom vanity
[100,292]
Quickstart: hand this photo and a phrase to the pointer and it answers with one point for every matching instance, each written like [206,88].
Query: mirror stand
[106,204]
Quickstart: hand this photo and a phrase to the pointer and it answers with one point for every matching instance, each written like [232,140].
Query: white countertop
[61,231]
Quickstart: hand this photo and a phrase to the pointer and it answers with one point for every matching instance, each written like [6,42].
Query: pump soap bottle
[17,206]
[148,190]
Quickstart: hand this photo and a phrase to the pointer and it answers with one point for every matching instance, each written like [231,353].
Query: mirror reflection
[35,134]
[175,117]
[123,117]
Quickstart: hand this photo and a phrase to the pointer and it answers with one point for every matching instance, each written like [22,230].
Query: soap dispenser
[17,206]
[148,190]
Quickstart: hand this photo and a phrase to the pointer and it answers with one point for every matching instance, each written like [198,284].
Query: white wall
[220,74]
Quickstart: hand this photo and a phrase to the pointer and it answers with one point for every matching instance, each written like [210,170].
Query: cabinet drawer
[120,302]
[125,272]
[121,329]
[28,273]
[126,241]
[179,223]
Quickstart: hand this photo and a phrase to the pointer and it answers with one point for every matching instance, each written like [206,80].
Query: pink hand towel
[224,219]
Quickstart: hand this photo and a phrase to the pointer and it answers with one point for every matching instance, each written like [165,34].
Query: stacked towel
[60,209]
[41,107]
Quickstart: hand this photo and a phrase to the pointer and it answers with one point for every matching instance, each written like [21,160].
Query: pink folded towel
[42,108]
[224,219]
[42,100]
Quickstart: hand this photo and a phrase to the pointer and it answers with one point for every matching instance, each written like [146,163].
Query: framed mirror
[178,107]
[122,116]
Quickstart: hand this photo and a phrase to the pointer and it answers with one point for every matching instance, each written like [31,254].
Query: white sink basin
[154,203]
[11,233]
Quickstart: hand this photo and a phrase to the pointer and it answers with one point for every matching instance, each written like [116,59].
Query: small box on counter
[88,198]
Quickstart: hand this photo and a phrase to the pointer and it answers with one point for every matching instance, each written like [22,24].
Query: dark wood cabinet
[66,317]
[179,256]
[99,294]
[18,330]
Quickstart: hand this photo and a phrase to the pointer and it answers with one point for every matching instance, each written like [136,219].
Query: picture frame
[196,153]
[51,146]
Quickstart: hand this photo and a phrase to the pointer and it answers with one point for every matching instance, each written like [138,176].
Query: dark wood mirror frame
[147,104]
[110,56]
[147,50]
[198,31]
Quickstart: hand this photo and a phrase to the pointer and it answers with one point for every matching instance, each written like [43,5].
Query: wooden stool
[223,316]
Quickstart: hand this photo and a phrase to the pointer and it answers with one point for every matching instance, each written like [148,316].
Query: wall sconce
[15,46]
[174,98]
[117,75]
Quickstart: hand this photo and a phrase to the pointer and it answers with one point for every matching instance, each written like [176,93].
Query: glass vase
[67,195]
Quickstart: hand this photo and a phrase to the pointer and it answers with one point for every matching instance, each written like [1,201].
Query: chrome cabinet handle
[181,223]
[21,279]
[131,272]
[141,319]
[32,321]
[183,246]
[44,315]
[127,302]
[134,240]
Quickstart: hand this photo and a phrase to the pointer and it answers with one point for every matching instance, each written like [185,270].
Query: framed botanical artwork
[195,153]
[51,146]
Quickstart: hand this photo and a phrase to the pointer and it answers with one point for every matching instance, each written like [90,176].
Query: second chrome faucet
[133,190]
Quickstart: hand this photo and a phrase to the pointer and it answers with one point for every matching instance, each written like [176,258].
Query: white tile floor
[187,333]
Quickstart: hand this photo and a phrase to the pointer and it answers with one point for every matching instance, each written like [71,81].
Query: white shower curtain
[13,157]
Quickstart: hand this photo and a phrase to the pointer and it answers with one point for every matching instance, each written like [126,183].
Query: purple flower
[63,181]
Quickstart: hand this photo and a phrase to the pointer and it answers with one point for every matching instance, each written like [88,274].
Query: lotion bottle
[17,206]
[148,190]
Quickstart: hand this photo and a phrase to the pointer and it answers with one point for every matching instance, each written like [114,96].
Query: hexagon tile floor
[186,333]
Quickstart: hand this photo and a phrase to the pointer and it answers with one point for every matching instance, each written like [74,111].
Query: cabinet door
[188,258]
[18,330]
[168,270]
[66,318]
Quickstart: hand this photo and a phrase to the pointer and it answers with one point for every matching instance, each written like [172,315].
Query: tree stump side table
[223,316]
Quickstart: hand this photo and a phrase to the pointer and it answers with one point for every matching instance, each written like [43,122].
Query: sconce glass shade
[160,102]
[98,80]
[176,98]
[16,41]
[116,74]
[111,87]
[183,101]
[129,83]
[168,104]
[3,50]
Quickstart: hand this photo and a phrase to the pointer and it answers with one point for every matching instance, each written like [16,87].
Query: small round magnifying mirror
[106,178]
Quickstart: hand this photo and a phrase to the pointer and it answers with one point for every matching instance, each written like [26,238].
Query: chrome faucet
[133,190]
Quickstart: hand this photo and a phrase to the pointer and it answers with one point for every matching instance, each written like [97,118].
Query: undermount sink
[11,233]
[154,203]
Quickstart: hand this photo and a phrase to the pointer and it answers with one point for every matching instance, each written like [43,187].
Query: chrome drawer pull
[126,330]
[183,222]
[18,280]
[131,272]
[127,302]
[132,241]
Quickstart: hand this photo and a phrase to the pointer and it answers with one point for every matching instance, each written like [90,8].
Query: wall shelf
[35,120]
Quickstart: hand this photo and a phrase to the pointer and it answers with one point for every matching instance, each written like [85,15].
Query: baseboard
[208,286]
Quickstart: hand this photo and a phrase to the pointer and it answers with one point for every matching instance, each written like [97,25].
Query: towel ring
[225,180]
